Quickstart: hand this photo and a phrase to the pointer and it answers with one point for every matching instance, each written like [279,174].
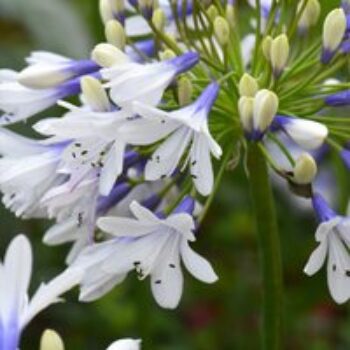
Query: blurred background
[223,316]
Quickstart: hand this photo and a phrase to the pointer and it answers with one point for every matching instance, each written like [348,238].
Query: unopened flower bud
[212,12]
[266,47]
[305,169]
[146,7]
[159,19]
[50,340]
[115,34]
[310,15]
[334,28]
[265,108]
[246,108]
[279,53]
[167,55]
[185,91]
[221,30]
[248,86]
[107,55]
[106,10]
[231,16]
[126,344]
[94,94]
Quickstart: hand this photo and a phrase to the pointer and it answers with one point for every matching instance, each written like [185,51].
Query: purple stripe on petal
[152,202]
[322,209]
[186,206]
[118,193]
[184,62]
[82,67]
[72,87]
[208,97]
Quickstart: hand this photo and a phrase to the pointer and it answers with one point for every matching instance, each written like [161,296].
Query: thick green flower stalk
[174,94]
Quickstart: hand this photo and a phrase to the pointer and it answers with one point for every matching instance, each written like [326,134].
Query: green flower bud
[50,340]
[305,169]
[212,12]
[248,86]
[231,16]
[159,19]
[115,34]
[266,47]
[94,94]
[310,14]
[185,91]
[221,30]
[167,55]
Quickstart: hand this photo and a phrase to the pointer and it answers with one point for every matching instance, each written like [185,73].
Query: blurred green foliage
[223,316]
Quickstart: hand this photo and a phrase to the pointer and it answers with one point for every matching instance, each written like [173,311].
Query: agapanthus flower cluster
[152,120]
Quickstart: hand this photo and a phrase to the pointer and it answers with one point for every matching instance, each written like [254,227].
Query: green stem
[266,226]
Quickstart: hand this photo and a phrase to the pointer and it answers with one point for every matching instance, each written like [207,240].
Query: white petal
[12,144]
[316,259]
[166,158]
[61,232]
[18,269]
[146,132]
[112,167]
[199,267]
[306,133]
[201,167]
[137,26]
[124,227]
[48,294]
[338,268]
[125,344]
[96,284]
[143,214]
[183,223]
[167,278]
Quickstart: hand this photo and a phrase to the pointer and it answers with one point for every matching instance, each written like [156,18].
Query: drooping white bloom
[150,245]
[187,127]
[130,81]
[98,144]
[18,102]
[48,70]
[306,133]
[333,236]
[126,344]
[16,311]
[27,172]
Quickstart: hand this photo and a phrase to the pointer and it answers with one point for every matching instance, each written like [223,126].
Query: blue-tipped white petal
[306,133]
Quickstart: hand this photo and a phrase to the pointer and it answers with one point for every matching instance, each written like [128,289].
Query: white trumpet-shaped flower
[185,128]
[130,81]
[47,70]
[152,246]
[16,311]
[97,143]
[27,172]
[333,236]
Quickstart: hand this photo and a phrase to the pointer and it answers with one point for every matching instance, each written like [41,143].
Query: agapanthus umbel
[151,115]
